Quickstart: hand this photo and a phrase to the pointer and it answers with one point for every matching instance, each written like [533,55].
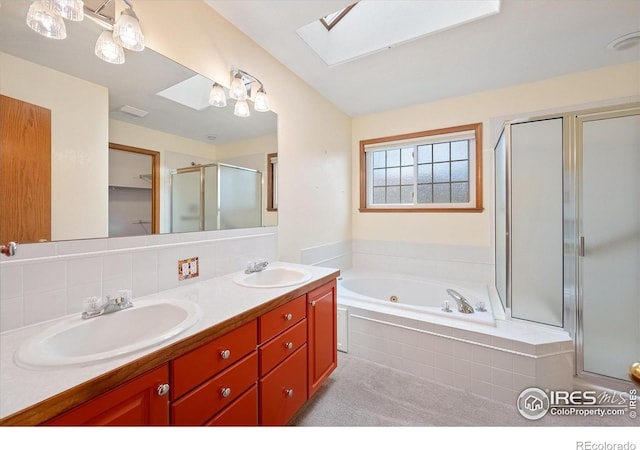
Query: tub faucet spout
[463,305]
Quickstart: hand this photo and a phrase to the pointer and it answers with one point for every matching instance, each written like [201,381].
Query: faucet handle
[92,304]
[125,296]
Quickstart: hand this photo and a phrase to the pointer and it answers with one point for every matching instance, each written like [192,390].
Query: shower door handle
[581,246]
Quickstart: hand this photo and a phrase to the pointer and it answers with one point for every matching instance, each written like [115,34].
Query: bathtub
[397,321]
[414,297]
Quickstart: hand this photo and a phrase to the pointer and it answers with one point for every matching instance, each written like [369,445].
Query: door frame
[155,180]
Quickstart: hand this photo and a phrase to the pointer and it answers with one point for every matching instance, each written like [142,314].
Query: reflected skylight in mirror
[377,25]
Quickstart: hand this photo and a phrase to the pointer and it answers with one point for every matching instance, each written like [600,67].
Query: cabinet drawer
[283,345]
[281,318]
[191,369]
[220,391]
[284,390]
[241,413]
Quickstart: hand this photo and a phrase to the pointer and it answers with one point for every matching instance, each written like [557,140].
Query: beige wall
[79,154]
[314,137]
[611,85]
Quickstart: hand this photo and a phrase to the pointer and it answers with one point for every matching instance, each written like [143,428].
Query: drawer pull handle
[162,389]
[225,392]
[288,392]
[224,354]
[288,345]
[313,303]
[288,316]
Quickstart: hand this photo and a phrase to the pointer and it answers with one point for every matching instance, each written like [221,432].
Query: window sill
[420,210]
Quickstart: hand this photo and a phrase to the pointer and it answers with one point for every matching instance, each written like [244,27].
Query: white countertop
[219,298]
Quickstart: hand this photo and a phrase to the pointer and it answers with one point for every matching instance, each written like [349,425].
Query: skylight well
[376,25]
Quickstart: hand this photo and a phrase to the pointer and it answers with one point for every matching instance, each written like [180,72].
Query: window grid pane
[426,173]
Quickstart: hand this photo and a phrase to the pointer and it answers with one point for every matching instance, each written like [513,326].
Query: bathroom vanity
[254,358]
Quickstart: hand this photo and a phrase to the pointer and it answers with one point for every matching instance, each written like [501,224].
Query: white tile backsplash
[50,280]
[453,262]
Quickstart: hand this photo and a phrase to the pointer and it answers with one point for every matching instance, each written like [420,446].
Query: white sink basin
[77,341]
[272,277]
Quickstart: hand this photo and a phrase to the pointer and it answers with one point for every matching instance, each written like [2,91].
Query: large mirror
[121,135]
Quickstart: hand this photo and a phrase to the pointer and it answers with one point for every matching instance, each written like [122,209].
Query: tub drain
[394,299]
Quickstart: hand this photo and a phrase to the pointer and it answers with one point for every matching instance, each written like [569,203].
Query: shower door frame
[577,331]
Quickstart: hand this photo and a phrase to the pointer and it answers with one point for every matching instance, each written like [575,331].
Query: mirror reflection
[117,137]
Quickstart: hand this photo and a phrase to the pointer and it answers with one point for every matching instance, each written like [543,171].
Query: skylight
[377,25]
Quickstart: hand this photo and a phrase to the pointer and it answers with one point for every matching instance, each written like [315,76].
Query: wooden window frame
[335,21]
[272,204]
[477,198]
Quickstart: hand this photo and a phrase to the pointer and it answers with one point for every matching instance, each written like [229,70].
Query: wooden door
[25,171]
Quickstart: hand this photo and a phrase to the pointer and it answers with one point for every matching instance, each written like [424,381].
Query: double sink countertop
[32,396]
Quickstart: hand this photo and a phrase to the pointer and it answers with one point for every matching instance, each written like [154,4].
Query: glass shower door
[610,242]
[186,200]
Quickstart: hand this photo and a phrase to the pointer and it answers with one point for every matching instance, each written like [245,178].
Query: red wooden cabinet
[322,334]
[136,402]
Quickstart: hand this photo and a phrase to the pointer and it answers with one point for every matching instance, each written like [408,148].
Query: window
[430,171]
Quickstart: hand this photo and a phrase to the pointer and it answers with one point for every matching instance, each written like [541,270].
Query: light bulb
[127,32]
[237,90]
[217,97]
[108,50]
[242,109]
[262,102]
[45,21]
[68,9]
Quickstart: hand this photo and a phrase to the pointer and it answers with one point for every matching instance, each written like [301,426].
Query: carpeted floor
[362,393]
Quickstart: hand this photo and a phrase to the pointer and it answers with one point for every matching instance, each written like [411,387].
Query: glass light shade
[45,21]
[108,50]
[217,97]
[261,102]
[127,32]
[68,9]
[237,90]
[242,109]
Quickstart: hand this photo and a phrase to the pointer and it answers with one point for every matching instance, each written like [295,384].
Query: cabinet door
[284,390]
[322,337]
[136,402]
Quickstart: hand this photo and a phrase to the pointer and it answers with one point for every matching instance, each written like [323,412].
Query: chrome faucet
[463,305]
[256,266]
[94,307]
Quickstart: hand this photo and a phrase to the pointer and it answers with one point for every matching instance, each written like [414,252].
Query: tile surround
[50,280]
[493,370]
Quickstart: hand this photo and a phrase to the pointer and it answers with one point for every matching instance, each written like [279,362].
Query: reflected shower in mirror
[148,104]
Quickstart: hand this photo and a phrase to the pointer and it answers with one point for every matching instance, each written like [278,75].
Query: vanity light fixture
[240,90]
[46,18]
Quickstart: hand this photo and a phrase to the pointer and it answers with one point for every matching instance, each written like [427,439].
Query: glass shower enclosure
[215,197]
[567,224]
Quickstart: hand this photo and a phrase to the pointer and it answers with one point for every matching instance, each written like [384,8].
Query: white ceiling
[528,40]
